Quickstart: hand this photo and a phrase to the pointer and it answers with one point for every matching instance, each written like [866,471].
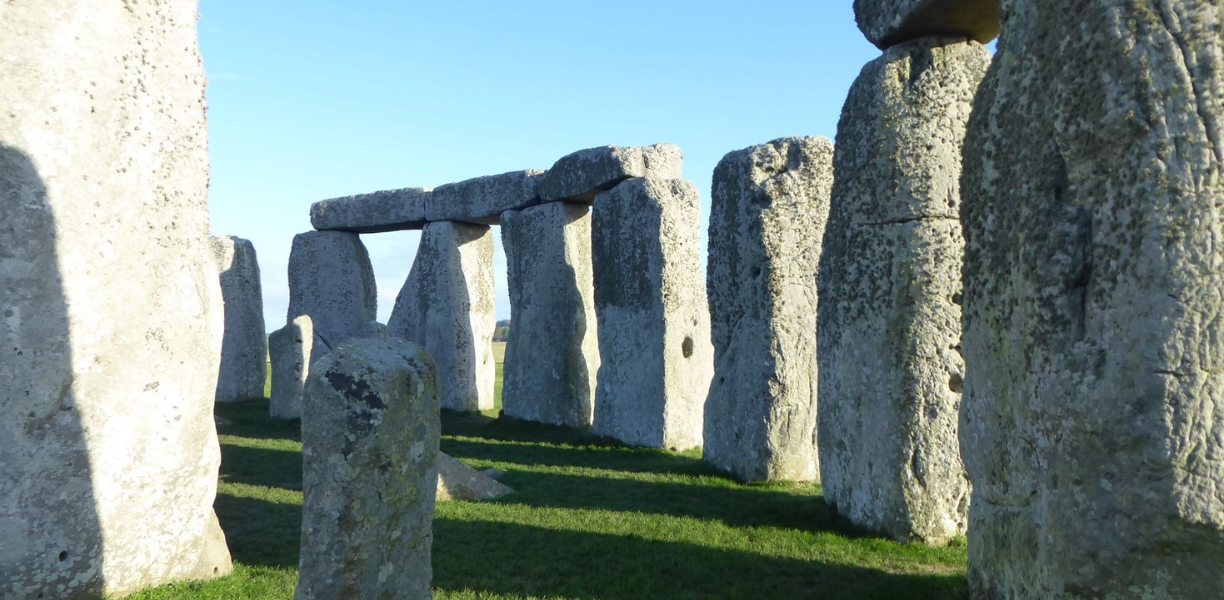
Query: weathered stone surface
[291,349]
[110,306]
[888,23]
[770,203]
[370,430]
[582,175]
[331,279]
[244,349]
[482,200]
[457,481]
[889,324]
[1092,426]
[552,355]
[446,306]
[654,325]
[376,212]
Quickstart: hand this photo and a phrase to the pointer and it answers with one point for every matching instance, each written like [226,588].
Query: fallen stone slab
[370,431]
[582,175]
[889,285]
[653,320]
[887,23]
[376,212]
[482,200]
[1091,426]
[552,355]
[244,349]
[457,481]
[446,306]
[111,314]
[331,279]
[770,204]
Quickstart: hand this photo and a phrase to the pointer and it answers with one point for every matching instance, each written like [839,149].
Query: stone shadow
[50,535]
[260,533]
[261,466]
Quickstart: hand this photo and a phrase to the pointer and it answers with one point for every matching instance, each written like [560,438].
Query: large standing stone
[244,350]
[331,279]
[553,353]
[770,203]
[887,23]
[654,325]
[483,199]
[446,306]
[376,212]
[1092,424]
[370,429]
[292,350]
[110,306]
[582,175]
[890,292]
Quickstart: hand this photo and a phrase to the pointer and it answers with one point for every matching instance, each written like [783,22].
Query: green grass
[590,520]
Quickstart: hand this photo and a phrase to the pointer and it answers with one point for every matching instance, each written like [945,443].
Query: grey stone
[370,430]
[376,212]
[457,481]
[889,323]
[770,203]
[292,350]
[244,349]
[446,306]
[494,474]
[1093,333]
[482,200]
[331,279]
[654,324]
[887,23]
[110,305]
[552,355]
[582,175]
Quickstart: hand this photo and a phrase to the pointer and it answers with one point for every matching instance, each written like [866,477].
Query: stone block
[370,431]
[654,324]
[552,355]
[331,279]
[457,481]
[291,349]
[376,212]
[244,349]
[770,204]
[582,175]
[446,306]
[887,23]
[482,200]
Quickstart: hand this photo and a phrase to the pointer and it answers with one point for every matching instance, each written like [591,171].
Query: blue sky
[313,99]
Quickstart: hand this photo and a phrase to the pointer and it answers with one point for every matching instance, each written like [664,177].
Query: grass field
[590,520]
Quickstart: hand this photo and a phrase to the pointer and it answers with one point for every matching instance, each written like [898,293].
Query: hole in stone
[687,346]
[956,383]
[63,556]
[957,298]
[756,272]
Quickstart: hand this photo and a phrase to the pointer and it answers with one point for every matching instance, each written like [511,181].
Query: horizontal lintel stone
[482,200]
[376,212]
[582,175]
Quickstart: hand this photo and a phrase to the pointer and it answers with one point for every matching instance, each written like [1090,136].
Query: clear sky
[312,99]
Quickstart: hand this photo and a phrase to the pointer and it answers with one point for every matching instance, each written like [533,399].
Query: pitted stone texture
[581,176]
[331,279]
[887,23]
[110,305]
[654,324]
[291,349]
[446,306]
[244,349]
[770,203]
[889,324]
[552,356]
[376,212]
[370,430]
[457,481]
[1092,426]
[482,200]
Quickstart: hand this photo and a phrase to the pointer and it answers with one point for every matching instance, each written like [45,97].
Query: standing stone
[291,349]
[887,23]
[654,324]
[770,203]
[1092,426]
[331,279]
[890,293]
[446,306]
[110,306]
[552,356]
[370,430]
[244,349]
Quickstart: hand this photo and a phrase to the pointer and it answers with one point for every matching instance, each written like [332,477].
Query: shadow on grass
[260,532]
[261,466]
[518,560]
[251,420]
